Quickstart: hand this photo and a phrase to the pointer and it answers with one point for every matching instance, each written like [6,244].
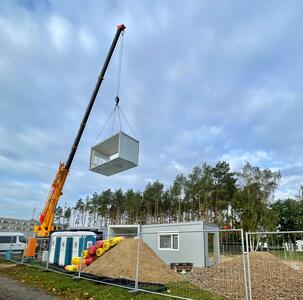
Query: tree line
[215,194]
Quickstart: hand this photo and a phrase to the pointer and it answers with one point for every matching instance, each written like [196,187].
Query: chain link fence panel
[275,265]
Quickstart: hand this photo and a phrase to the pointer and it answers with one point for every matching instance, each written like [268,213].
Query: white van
[14,241]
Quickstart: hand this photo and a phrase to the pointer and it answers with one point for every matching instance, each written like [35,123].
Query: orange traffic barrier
[30,247]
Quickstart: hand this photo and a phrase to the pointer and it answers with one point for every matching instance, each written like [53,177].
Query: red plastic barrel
[89,260]
[92,250]
[99,244]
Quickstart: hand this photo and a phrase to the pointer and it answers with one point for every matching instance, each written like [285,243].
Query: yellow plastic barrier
[76,260]
[117,239]
[71,268]
[100,251]
[106,245]
[112,242]
[85,253]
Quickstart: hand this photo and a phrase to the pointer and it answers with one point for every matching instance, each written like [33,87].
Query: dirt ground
[4,266]
[272,278]
[14,290]
[121,261]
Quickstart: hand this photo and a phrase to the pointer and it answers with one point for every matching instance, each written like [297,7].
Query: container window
[168,241]
[165,241]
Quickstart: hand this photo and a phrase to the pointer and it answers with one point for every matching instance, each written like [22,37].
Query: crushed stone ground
[272,278]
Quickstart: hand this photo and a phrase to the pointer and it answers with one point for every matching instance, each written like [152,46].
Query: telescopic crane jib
[47,216]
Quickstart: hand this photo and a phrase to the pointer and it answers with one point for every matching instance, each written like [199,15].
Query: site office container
[185,242]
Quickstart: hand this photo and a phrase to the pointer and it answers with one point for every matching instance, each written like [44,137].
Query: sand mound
[271,278]
[120,262]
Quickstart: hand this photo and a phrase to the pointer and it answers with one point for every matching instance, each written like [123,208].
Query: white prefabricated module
[116,154]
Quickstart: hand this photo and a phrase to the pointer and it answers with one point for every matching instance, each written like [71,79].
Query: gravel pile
[272,279]
[120,262]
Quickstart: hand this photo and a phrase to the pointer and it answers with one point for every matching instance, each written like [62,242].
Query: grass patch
[66,288]
[289,255]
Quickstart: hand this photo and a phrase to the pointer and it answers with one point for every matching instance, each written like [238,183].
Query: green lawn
[66,288]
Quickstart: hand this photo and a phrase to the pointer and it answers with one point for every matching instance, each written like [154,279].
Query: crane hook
[117,99]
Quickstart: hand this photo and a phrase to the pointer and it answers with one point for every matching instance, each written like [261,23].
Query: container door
[209,249]
[81,241]
[52,250]
[68,251]
[75,246]
[57,250]
[62,251]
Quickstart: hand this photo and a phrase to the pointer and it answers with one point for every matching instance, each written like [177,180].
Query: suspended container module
[115,154]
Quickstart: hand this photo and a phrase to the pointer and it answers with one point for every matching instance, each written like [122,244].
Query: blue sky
[201,81]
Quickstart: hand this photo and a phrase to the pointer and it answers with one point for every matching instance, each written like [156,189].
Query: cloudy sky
[201,81]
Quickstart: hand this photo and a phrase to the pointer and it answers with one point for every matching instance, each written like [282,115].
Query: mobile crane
[46,218]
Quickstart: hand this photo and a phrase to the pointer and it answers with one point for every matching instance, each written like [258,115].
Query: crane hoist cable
[117,110]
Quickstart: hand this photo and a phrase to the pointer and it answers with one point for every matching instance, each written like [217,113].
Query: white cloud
[15,32]
[266,98]
[202,134]
[87,40]
[237,158]
[60,30]
[223,85]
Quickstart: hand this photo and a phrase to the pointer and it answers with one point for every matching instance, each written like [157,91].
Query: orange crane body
[47,216]
[46,226]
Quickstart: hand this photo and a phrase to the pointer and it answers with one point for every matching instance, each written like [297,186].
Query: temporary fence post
[138,263]
[248,265]
[48,250]
[22,260]
[244,265]
[81,259]
[9,252]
